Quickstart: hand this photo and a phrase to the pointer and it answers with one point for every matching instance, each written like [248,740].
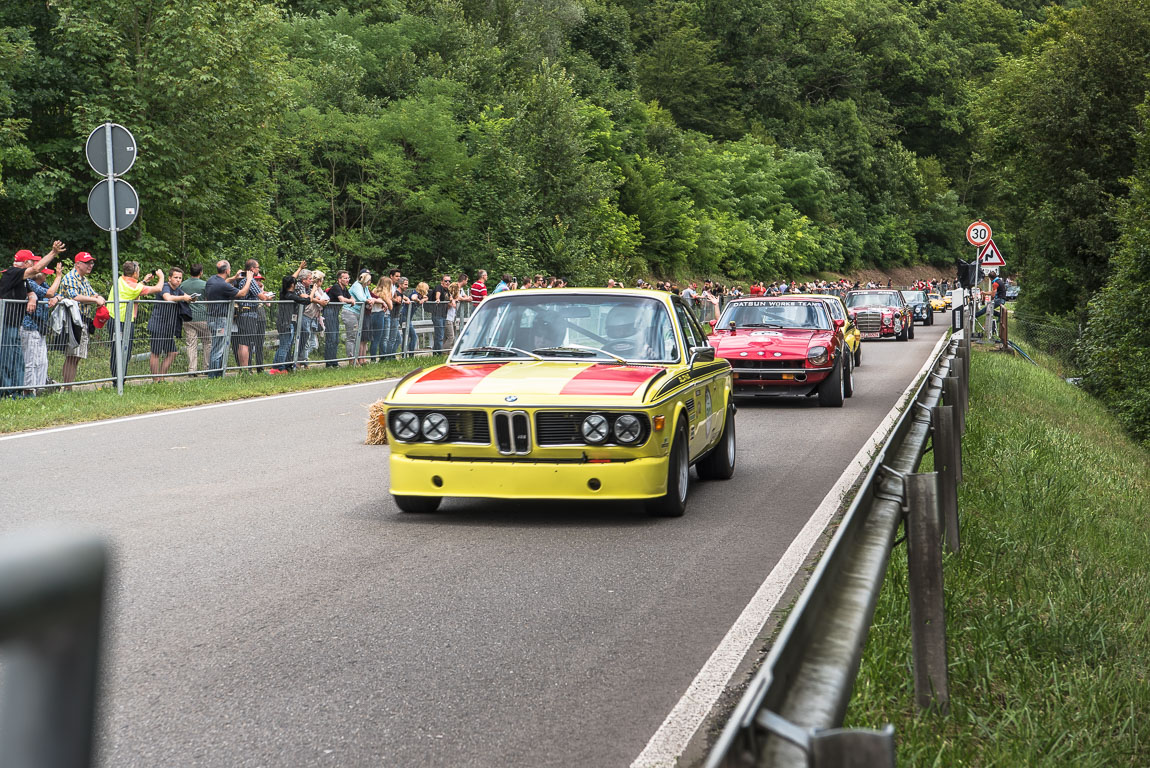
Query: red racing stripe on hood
[607,379]
[452,379]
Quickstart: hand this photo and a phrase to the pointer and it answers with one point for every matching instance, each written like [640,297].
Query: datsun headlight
[817,355]
[435,427]
[628,428]
[406,425]
[595,428]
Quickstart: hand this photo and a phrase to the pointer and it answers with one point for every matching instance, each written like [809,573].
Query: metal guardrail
[51,600]
[793,709]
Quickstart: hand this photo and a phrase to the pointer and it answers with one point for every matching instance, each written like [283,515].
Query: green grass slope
[1047,620]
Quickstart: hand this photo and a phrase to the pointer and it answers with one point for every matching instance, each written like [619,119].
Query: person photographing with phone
[131,288]
[218,293]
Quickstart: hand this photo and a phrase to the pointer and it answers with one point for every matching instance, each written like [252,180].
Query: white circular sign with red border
[978,233]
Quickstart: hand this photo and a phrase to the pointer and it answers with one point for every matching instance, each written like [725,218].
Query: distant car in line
[788,345]
[1011,291]
[881,314]
[937,303]
[921,310]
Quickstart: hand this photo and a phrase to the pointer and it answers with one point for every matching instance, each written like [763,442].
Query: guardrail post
[952,395]
[958,370]
[228,337]
[945,457]
[927,608]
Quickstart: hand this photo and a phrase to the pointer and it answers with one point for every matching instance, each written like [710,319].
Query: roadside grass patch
[78,406]
[1047,621]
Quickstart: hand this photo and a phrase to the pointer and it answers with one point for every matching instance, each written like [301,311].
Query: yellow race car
[565,394]
[937,303]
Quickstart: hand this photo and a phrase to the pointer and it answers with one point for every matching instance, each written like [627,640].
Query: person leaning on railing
[167,323]
[380,317]
[131,288]
[196,328]
[440,303]
[13,298]
[219,293]
[34,331]
[247,313]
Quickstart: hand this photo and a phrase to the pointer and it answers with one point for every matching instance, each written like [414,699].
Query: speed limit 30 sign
[978,233]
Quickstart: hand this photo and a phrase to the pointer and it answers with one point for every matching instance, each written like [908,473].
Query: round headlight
[406,425]
[628,428]
[595,428]
[817,355]
[435,426]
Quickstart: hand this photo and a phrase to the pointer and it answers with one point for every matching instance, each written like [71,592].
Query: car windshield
[776,314]
[546,324]
[919,296]
[884,299]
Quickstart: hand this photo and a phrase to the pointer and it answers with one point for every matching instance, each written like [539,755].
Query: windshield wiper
[501,350]
[579,350]
[760,325]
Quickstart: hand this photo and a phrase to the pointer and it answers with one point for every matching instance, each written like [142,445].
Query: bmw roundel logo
[511,398]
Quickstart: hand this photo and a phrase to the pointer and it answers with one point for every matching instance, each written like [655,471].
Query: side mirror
[839,322]
[712,323]
[702,354]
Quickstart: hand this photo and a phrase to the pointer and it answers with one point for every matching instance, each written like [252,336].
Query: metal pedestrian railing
[162,339]
[51,604]
[793,709]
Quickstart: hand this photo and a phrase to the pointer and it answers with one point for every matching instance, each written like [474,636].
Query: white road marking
[157,414]
[668,743]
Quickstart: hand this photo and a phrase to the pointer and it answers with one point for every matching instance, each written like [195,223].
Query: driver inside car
[621,327]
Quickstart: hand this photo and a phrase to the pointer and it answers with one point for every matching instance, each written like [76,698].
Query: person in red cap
[14,298]
[77,288]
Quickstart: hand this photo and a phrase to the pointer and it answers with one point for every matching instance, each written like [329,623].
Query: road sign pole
[117,333]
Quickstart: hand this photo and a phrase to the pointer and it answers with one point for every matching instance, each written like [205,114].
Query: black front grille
[766,362]
[463,426]
[566,427]
[512,432]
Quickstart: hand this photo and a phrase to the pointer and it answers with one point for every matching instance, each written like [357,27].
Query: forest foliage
[585,138]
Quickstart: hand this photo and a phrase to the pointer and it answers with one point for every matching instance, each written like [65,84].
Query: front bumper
[513,479]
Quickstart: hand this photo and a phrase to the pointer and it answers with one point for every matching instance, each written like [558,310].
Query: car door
[697,396]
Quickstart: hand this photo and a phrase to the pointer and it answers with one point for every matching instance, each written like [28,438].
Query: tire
[849,378]
[417,505]
[858,355]
[674,502]
[902,335]
[719,464]
[910,330]
[831,393]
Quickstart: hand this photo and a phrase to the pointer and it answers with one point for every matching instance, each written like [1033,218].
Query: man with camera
[218,293]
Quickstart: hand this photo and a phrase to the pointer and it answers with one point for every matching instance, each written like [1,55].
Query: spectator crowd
[381,316]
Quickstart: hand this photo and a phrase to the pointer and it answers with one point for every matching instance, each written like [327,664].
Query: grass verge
[79,406]
[1048,633]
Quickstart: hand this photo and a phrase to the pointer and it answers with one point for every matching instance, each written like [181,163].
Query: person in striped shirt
[75,285]
[479,287]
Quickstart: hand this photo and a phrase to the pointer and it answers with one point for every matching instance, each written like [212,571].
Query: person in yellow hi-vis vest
[131,288]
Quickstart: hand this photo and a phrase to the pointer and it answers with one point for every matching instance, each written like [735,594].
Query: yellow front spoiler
[635,479]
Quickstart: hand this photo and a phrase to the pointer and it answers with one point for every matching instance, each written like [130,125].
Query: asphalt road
[272,607]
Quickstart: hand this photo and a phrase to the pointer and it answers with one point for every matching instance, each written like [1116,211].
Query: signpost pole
[117,335]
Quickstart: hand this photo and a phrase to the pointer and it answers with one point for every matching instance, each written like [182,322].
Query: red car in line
[785,347]
[881,314]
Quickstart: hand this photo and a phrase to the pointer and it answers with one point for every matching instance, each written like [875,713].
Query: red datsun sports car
[785,346]
[881,313]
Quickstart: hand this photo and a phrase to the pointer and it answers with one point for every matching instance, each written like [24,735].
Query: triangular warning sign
[990,256]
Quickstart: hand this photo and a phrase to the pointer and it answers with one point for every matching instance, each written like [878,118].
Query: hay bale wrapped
[376,432]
